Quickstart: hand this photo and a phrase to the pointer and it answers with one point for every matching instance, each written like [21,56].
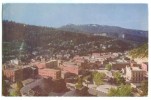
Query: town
[75,50]
[97,74]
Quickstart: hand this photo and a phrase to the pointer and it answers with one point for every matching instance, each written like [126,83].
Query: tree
[86,78]
[118,78]
[108,67]
[95,66]
[4,86]
[140,52]
[16,92]
[85,65]
[123,90]
[144,88]
[19,85]
[79,84]
[98,78]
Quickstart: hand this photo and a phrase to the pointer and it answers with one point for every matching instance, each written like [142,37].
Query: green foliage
[4,86]
[140,52]
[58,40]
[118,78]
[123,90]
[144,88]
[86,79]
[15,93]
[79,84]
[98,78]
[19,85]
[108,67]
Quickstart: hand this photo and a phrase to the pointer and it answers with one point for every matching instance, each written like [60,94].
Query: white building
[135,74]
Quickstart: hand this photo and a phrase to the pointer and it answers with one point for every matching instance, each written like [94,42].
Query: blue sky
[134,16]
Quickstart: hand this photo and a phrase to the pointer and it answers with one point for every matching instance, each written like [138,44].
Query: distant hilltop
[18,30]
[111,31]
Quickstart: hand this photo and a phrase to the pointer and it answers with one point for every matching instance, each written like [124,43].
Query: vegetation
[19,85]
[4,86]
[79,83]
[140,52]
[123,90]
[144,88]
[108,67]
[16,91]
[118,78]
[52,41]
[98,78]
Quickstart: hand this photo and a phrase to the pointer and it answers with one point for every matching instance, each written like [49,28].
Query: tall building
[135,74]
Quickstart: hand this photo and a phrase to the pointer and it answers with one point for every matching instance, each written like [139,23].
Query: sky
[133,16]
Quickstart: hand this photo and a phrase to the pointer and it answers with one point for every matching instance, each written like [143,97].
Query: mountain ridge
[111,31]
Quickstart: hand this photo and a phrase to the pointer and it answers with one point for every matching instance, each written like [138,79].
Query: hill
[47,41]
[140,52]
[110,31]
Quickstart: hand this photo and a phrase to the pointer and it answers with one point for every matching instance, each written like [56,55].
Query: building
[40,65]
[38,87]
[135,74]
[53,73]
[12,74]
[44,64]
[15,61]
[133,64]
[52,64]
[20,73]
[119,64]
[95,55]
[144,66]
[70,67]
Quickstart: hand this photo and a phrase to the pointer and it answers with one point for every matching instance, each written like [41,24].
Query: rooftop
[136,69]
[27,81]
[51,61]
[69,64]
[47,69]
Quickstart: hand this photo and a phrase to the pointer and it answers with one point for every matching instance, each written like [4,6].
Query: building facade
[70,68]
[134,74]
[17,74]
[53,73]
[144,66]
[52,64]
